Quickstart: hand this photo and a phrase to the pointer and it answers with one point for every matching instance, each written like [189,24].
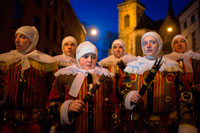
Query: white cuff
[127,101]
[187,128]
[64,113]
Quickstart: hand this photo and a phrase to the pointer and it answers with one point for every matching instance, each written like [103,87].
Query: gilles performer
[27,76]
[116,63]
[73,84]
[67,58]
[163,106]
[190,63]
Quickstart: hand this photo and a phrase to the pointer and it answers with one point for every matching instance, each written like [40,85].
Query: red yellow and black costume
[26,79]
[63,84]
[116,65]
[73,84]
[27,91]
[166,103]
[190,63]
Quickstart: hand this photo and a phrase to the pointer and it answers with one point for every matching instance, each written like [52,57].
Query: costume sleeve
[3,84]
[185,105]
[59,96]
[60,88]
[57,92]
[127,101]
[64,113]
[126,93]
[50,79]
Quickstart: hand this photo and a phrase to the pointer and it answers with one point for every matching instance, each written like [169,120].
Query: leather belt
[161,120]
[26,116]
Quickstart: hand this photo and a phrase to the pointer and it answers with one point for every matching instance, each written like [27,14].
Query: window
[55,31]
[138,46]
[55,6]
[37,23]
[62,34]
[49,3]
[185,25]
[47,26]
[38,2]
[18,10]
[126,21]
[62,14]
[194,47]
[193,19]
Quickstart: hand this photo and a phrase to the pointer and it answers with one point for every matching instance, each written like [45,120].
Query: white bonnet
[178,36]
[118,41]
[31,33]
[84,48]
[67,39]
[157,37]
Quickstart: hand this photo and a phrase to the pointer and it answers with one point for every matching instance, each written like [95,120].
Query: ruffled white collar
[193,55]
[176,56]
[74,69]
[64,60]
[142,64]
[14,56]
[80,76]
[112,60]
[186,58]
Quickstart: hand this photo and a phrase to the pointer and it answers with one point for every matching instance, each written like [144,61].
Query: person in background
[115,63]
[71,86]
[27,75]
[153,90]
[119,57]
[69,45]
[190,63]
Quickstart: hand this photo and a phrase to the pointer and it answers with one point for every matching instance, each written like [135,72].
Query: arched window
[139,51]
[127,21]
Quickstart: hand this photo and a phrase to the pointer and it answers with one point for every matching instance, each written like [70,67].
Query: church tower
[168,29]
[130,13]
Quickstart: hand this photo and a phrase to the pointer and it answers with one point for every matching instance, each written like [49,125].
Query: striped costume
[163,90]
[27,92]
[61,93]
[190,64]
[120,118]
[163,104]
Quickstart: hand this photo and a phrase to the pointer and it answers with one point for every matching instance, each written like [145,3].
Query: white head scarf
[31,33]
[112,60]
[159,40]
[15,56]
[68,39]
[186,56]
[179,36]
[82,49]
[85,48]
[118,41]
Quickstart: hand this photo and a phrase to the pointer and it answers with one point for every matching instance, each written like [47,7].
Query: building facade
[133,23]
[189,22]
[54,20]
[130,12]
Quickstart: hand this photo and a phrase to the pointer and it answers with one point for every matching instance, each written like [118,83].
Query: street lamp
[169,29]
[168,39]
[93,32]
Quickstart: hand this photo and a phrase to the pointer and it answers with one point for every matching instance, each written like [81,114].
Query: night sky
[103,14]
